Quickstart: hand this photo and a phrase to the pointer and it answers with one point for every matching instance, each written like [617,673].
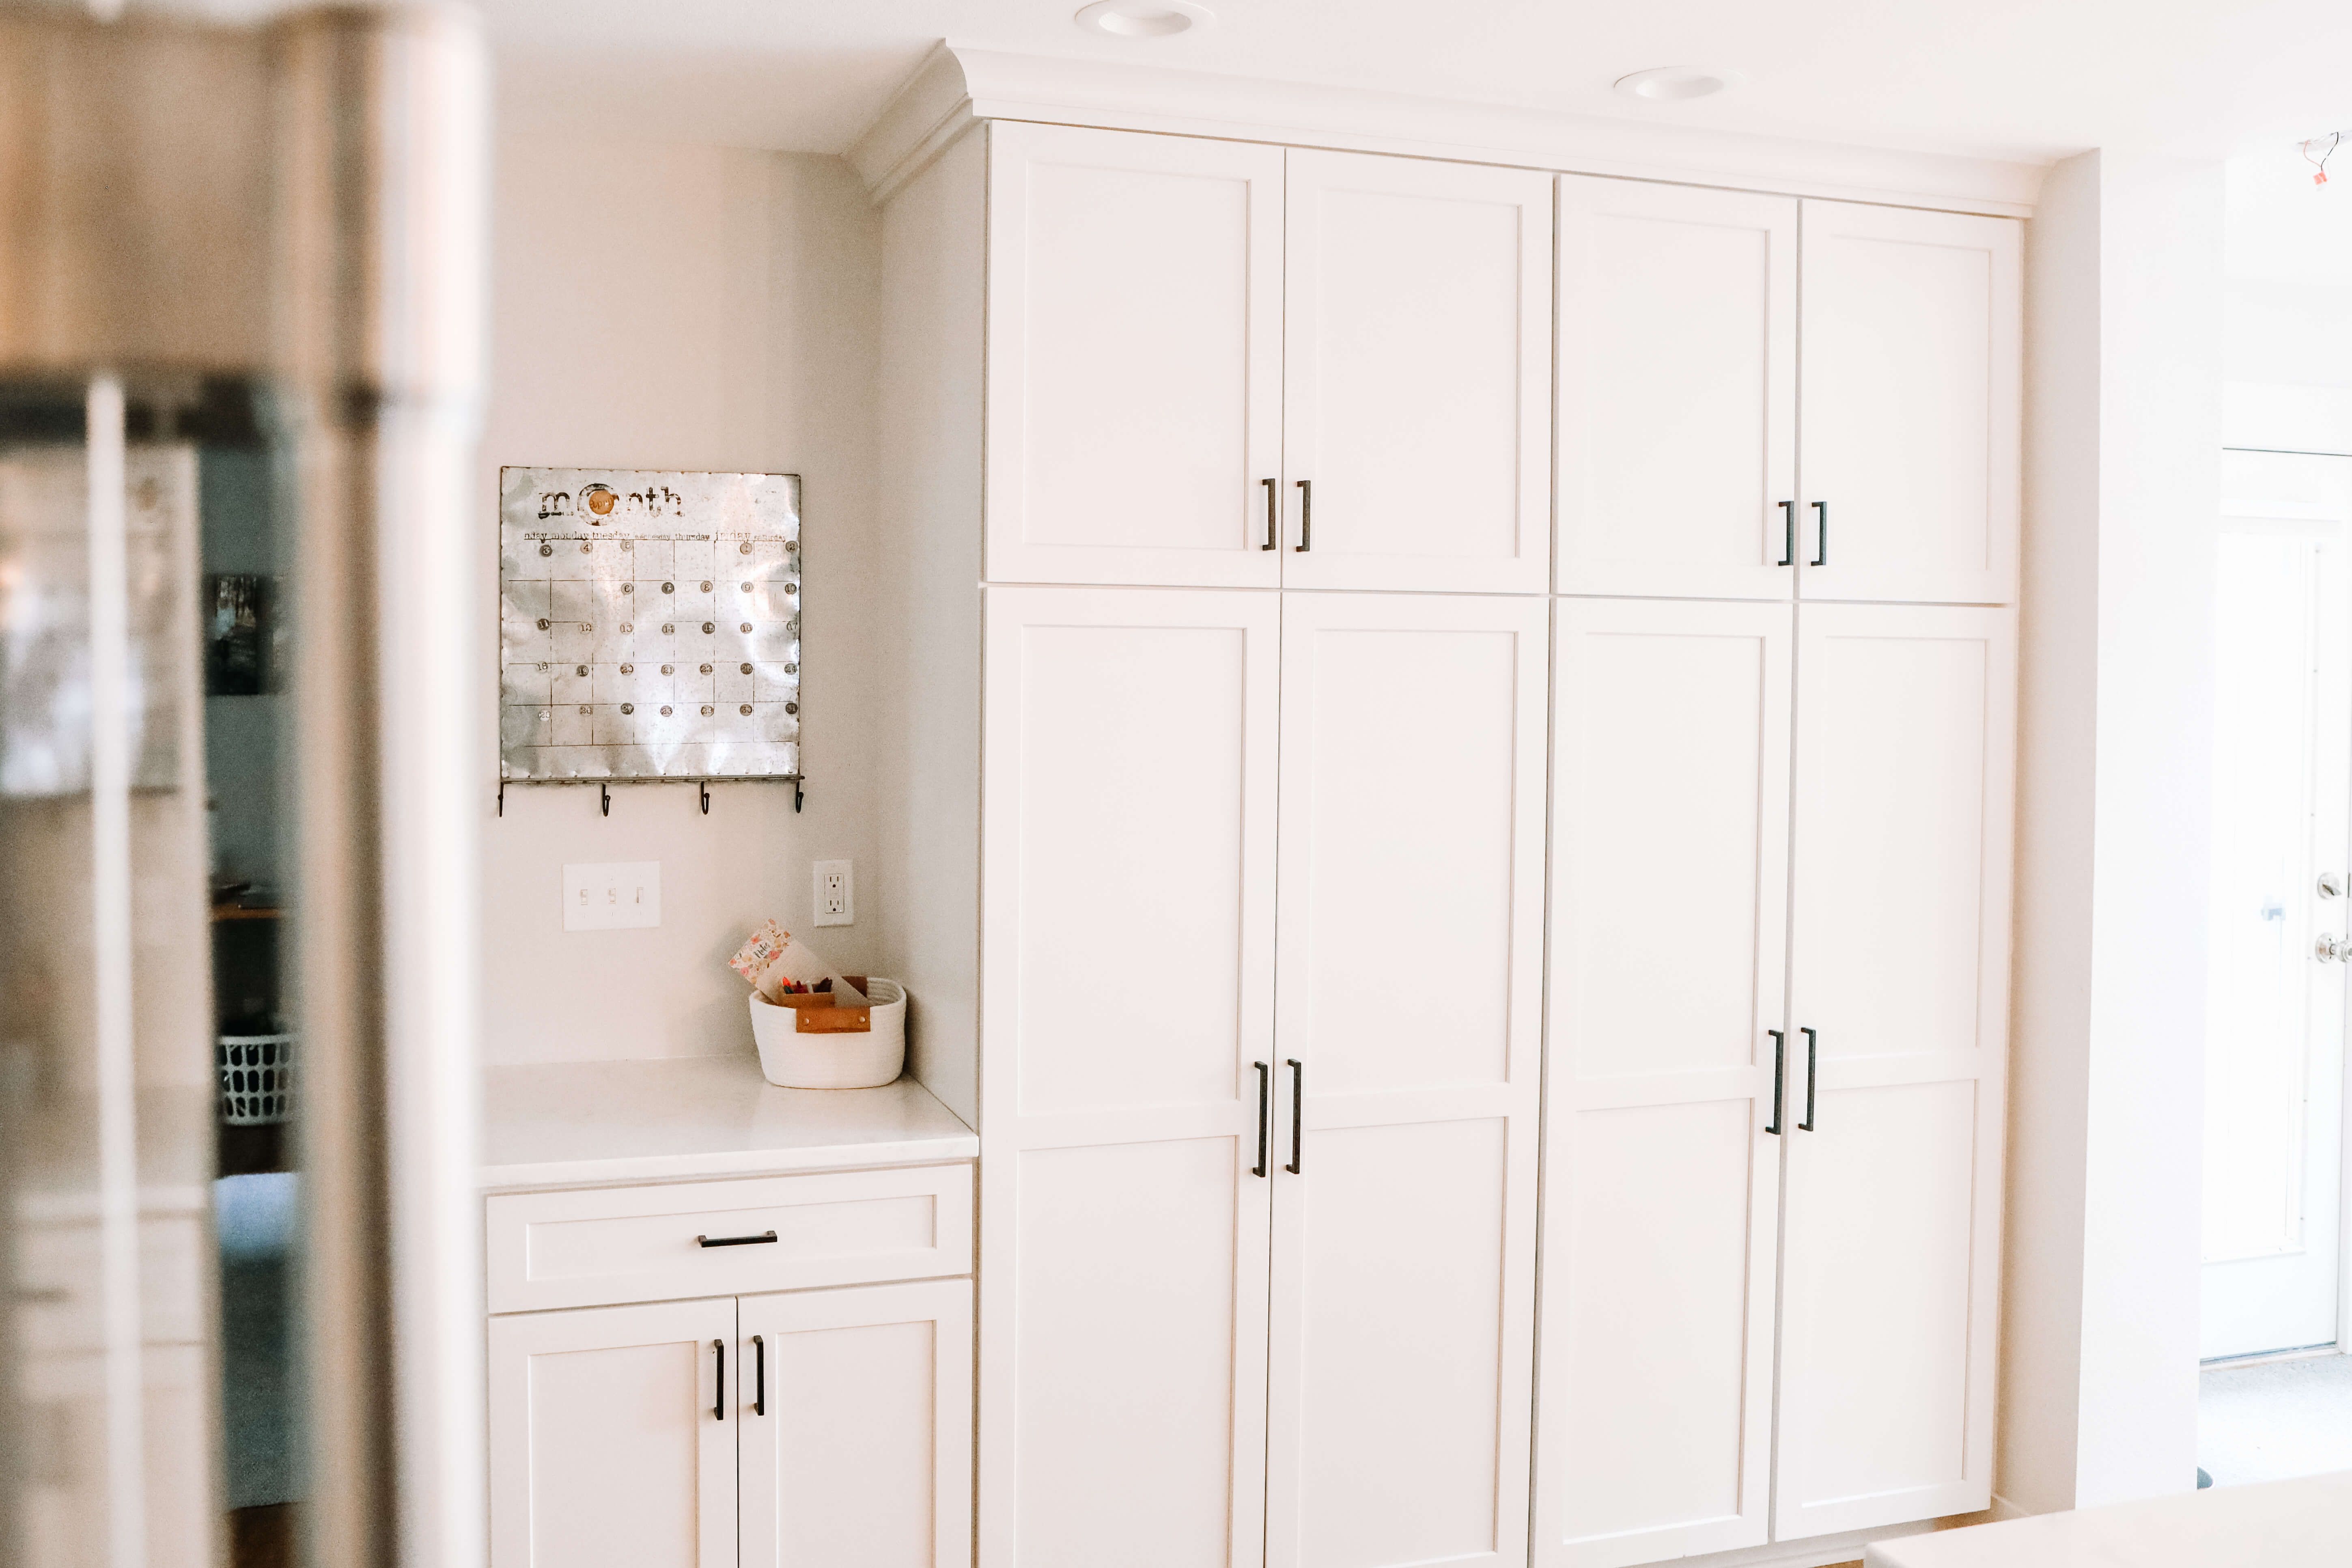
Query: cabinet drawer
[605,1245]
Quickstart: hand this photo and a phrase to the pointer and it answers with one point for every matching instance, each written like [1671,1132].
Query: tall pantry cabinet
[1254,734]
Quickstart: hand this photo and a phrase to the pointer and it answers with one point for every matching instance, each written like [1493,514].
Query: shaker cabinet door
[1128,997]
[1677,391]
[612,1438]
[1417,376]
[1911,405]
[1134,358]
[1662,1172]
[1410,1013]
[1899,1001]
[854,1408]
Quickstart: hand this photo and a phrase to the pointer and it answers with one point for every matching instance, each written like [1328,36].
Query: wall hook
[606,790]
[502,797]
[706,797]
[796,792]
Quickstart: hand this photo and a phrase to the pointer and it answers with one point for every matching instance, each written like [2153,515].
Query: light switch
[613,896]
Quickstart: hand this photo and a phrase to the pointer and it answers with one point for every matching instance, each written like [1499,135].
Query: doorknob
[2332,949]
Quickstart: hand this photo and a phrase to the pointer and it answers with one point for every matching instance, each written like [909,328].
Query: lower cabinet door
[855,1410]
[1406,1080]
[1662,1172]
[1898,1000]
[612,1442]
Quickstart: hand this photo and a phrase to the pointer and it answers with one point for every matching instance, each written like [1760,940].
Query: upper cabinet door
[1417,397]
[1677,391]
[1134,358]
[1913,332]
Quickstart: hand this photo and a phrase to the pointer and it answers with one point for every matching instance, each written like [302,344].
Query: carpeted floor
[2275,1420]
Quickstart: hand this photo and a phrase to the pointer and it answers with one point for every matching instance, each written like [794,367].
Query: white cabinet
[1911,404]
[815,1429]
[1220,364]
[1417,374]
[1906,734]
[1410,983]
[1677,390]
[609,1445]
[1134,358]
[854,1409]
[1128,989]
[1702,790]
[1662,1179]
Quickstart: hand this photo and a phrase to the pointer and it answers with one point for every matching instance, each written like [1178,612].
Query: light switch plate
[613,896]
[835,895]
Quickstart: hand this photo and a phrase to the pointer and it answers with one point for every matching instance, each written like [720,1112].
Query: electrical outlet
[616,896]
[835,903]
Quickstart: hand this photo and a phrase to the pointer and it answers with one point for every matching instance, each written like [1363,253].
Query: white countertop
[575,1124]
[2281,1524]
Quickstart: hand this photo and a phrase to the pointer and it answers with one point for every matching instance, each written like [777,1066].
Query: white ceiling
[2005,78]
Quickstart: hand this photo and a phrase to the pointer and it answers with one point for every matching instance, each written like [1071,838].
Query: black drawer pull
[735,1240]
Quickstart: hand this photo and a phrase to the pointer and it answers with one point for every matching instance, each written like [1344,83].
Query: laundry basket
[256,1078]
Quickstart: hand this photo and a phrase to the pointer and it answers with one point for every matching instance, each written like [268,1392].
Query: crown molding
[955,86]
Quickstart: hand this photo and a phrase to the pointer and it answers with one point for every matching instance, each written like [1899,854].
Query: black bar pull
[1780,1062]
[1273,514]
[760,1386]
[1306,515]
[1788,534]
[1813,1072]
[1265,1111]
[1297,1097]
[719,1403]
[765,1236]
[1821,533]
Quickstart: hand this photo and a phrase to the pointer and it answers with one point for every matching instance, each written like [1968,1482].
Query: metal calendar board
[649,625]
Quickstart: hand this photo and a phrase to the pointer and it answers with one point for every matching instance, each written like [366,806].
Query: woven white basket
[256,1078]
[793,1060]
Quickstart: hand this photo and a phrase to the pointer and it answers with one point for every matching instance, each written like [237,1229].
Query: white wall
[2123,436]
[700,307]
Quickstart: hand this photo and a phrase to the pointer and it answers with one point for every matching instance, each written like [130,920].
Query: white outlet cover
[833,894]
[617,895]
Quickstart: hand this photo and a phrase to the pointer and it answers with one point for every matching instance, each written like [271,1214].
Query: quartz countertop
[577,1123]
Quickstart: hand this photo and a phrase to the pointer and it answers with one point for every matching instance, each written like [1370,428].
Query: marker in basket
[777,966]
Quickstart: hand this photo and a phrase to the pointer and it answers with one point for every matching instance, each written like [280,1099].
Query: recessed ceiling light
[1144,18]
[1672,84]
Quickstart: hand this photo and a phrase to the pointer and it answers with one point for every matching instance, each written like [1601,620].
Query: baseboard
[1816,1552]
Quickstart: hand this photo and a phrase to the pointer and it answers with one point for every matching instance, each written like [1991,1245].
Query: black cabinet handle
[1306,515]
[1273,513]
[1821,533]
[1298,1097]
[1265,1111]
[735,1240]
[1812,1069]
[1780,1062]
[760,1386]
[1788,534]
[719,1403]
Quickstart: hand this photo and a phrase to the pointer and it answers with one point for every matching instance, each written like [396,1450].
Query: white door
[1669,792]
[1899,1007]
[856,1411]
[1911,398]
[612,1438]
[1417,390]
[1410,956]
[1134,358]
[1677,391]
[2275,1013]
[1127,996]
